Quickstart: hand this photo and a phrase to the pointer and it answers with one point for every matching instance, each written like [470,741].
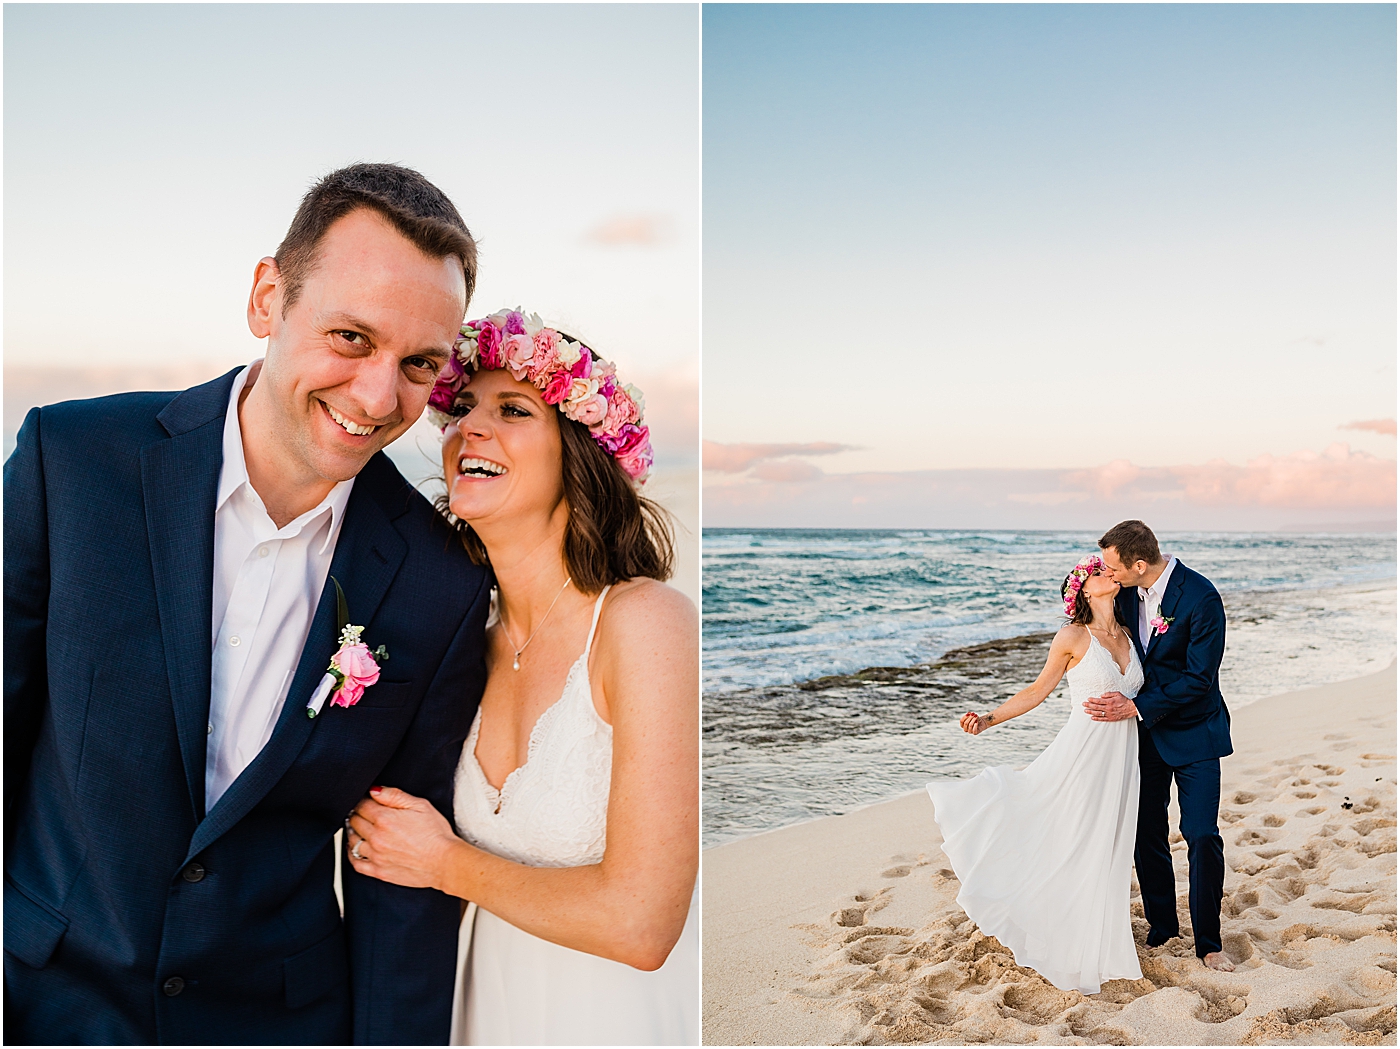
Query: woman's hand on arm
[413,844]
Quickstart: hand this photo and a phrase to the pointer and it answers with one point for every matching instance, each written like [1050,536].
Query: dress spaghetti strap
[597,611]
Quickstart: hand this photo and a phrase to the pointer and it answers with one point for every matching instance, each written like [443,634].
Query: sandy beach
[846,930]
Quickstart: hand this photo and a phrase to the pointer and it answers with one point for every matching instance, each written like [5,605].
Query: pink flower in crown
[519,353]
[636,458]
[603,369]
[629,439]
[583,367]
[622,410]
[442,398]
[606,384]
[450,382]
[592,410]
[559,386]
[488,347]
[515,322]
[546,352]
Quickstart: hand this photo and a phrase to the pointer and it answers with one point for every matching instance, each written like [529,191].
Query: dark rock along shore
[877,700]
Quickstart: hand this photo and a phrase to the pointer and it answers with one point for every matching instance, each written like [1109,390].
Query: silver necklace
[522,648]
[1111,635]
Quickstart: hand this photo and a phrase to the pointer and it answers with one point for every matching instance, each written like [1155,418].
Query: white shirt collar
[1158,588]
[234,475]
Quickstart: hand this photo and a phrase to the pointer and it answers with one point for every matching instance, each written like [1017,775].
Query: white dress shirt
[267,582]
[1150,603]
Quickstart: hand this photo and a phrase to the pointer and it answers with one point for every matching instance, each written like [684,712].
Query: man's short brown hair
[412,204]
[1134,542]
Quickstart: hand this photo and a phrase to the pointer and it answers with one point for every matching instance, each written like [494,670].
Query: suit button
[193,873]
[173,986]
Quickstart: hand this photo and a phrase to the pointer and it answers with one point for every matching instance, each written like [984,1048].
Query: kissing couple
[1045,854]
[233,628]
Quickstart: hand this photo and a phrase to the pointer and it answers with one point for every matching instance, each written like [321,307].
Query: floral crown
[569,375]
[1076,579]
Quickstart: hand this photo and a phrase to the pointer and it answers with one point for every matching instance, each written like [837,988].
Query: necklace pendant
[516,664]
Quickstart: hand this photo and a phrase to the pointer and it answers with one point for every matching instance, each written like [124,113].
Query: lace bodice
[552,810]
[1098,673]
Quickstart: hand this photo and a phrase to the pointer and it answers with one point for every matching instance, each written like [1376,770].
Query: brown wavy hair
[614,532]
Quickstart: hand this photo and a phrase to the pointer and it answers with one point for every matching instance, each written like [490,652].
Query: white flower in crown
[569,352]
[466,353]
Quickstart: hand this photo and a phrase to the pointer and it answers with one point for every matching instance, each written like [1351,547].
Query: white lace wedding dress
[514,988]
[1045,854]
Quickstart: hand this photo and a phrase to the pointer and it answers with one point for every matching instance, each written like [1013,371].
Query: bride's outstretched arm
[631,906]
[1069,643]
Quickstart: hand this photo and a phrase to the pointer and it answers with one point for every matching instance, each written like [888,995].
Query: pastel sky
[1044,237]
[153,153]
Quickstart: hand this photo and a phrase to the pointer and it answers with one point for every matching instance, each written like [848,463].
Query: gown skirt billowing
[1045,853]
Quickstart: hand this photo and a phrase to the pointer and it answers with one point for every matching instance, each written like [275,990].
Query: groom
[173,565]
[1177,622]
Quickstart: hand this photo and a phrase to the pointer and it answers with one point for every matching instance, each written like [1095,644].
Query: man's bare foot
[1217,960]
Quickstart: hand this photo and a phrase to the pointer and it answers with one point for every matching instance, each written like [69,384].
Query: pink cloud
[1336,477]
[1381,426]
[735,458]
[644,231]
[1336,490]
[786,471]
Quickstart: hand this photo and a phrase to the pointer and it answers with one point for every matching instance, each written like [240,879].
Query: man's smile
[358,429]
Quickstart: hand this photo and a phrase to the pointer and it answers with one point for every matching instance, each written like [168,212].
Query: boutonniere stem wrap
[353,668]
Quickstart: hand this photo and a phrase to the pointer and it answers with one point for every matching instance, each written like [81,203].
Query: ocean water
[794,730]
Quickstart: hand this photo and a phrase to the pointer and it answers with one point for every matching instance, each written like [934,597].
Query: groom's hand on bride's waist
[1111,706]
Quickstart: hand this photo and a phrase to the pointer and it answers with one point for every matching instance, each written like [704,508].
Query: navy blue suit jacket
[119,887]
[1180,701]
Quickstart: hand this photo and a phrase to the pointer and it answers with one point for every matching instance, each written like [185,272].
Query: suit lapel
[179,483]
[1128,595]
[1170,597]
[367,556]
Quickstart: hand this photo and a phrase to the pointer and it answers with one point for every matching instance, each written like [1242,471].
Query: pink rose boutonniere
[1159,624]
[353,668]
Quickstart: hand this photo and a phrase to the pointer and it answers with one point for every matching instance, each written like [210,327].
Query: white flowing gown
[514,988]
[1045,854]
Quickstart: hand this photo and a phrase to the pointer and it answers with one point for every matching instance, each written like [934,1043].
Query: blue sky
[153,153]
[1044,236]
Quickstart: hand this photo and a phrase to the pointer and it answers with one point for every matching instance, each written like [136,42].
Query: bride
[1045,854]
[576,794]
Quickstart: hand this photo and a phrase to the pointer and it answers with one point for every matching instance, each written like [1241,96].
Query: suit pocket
[32,930]
[386,694]
[317,971]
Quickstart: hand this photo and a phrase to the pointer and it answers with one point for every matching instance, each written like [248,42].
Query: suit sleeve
[1204,650]
[26,606]
[403,942]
